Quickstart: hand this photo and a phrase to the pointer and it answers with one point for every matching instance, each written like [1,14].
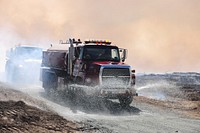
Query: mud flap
[50,83]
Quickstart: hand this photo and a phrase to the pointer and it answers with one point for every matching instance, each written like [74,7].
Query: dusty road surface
[144,115]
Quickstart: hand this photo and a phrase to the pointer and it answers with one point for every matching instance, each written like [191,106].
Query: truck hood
[27,63]
[109,64]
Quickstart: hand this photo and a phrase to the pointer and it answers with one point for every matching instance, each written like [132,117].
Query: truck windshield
[29,52]
[101,53]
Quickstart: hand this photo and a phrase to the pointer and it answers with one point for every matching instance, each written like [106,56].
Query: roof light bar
[98,42]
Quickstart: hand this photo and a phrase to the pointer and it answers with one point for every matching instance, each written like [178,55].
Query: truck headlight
[20,66]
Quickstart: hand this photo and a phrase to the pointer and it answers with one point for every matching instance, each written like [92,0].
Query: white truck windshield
[28,52]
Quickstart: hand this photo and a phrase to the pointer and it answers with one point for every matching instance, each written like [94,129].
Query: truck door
[78,64]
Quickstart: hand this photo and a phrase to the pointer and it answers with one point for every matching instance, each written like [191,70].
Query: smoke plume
[161,36]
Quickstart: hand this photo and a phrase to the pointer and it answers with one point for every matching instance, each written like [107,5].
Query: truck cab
[23,63]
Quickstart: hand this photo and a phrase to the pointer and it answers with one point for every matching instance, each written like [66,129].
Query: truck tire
[125,101]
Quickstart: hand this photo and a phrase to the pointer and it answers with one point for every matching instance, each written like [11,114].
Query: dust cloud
[160,90]
[161,36]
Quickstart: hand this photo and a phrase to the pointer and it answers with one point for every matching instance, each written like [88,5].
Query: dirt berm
[16,116]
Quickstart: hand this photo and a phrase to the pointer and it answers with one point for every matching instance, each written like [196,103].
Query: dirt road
[23,113]
[141,116]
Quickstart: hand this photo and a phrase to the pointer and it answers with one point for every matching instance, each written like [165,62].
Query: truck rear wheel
[125,101]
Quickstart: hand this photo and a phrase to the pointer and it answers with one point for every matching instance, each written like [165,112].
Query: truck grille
[115,77]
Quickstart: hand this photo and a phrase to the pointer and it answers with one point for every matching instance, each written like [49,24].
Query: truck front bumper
[110,93]
[116,93]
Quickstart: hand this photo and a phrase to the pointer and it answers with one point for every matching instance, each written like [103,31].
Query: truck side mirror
[7,54]
[123,54]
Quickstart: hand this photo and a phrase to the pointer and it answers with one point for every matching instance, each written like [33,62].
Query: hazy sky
[161,35]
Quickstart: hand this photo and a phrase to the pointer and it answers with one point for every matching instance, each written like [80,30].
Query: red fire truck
[90,68]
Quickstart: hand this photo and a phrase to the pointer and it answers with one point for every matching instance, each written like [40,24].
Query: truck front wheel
[125,101]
